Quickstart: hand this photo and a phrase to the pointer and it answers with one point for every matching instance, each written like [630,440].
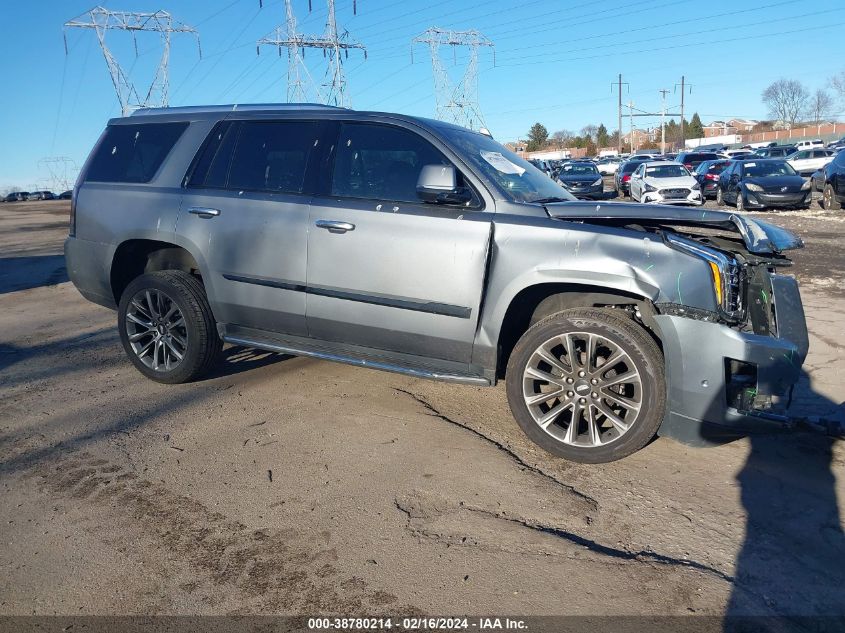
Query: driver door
[385,270]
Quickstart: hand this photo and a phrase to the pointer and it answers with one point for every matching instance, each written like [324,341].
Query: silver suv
[419,247]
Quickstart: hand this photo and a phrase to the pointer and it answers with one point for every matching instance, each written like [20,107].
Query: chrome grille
[675,193]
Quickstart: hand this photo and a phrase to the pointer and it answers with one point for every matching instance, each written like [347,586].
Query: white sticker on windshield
[502,164]
[750,164]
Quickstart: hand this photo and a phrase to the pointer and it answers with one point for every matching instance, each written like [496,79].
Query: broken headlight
[725,274]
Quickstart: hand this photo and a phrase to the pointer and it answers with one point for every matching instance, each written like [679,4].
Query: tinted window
[271,155]
[133,153]
[212,167]
[381,162]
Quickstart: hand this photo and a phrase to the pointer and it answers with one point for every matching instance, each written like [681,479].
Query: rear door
[246,211]
[386,270]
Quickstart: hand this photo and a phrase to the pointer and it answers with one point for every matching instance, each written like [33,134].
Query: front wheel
[587,384]
[720,199]
[167,327]
[740,200]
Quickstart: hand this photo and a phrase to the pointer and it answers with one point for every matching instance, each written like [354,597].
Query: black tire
[720,198]
[829,200]
[740,200]
[618,329]
[203,343]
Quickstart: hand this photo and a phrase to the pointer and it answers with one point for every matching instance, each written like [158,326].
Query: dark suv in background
[833,179]
[691,160]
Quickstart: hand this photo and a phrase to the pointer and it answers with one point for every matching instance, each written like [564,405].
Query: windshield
[767,169]
[666,171]
[575,169]
[516,178]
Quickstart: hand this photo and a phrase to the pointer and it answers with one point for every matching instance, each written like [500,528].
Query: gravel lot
[288,485]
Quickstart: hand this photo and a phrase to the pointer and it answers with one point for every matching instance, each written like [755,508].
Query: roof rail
[232,107]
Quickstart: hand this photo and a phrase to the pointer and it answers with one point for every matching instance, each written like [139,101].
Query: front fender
[529,252]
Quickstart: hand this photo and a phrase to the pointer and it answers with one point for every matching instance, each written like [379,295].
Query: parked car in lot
[801,145]
[608,166]
[734,154]
[622,178]
[582,180]
[415,246]
[833,186]
[806,161]
[691,160]
[41,195]
[775,151]
[763,184]
[837,145]
[707,174]
[665,182]
[542,165]
[17,196]
[817,181]
[65,195]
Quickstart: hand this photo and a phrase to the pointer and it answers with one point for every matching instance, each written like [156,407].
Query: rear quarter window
[133,153]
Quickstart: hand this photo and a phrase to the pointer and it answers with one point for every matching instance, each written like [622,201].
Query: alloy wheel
[156,330]
[582,389]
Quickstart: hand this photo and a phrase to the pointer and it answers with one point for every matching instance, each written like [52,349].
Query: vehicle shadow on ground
[236,360]
[792,558]
[23,273]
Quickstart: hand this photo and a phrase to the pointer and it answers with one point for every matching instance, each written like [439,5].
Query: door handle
[335,226]
[204,212]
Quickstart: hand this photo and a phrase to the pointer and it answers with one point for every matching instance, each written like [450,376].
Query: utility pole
[455,103]
[619,112]
[631,113]
[683,85]
[102,20]
[663,121]
[335,46]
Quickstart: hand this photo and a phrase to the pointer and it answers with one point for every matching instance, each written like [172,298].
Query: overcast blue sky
[555,61]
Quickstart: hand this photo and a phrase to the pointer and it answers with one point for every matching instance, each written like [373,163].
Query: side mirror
[438,184]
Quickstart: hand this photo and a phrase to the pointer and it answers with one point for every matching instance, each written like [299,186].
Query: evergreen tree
[538,136]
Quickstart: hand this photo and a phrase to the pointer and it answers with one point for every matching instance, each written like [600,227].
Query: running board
[428,374]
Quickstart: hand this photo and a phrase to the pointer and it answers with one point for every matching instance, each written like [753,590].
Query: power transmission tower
[335,46]
[102,20]
[455,103]
[62,171]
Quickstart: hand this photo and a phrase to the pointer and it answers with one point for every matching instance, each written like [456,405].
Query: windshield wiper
[552,199]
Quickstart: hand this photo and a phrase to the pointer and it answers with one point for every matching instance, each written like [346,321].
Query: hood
[760,237]
[774,184]
[671,183]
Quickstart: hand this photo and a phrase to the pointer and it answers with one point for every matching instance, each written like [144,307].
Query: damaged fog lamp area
[724,272]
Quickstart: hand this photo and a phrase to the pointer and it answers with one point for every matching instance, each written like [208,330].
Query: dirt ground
[295,486]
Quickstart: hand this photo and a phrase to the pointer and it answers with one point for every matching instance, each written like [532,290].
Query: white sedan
[807,161]
[608,166]
[665,183]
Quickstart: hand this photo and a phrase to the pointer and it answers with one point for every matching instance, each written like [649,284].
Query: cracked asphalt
[294,486]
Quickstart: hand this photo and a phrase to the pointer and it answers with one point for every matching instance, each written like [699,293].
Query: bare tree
[821,105]
[590,132]
[562,138]
[837,82]
[786,100]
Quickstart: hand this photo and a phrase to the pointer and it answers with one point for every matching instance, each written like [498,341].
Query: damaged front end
[731,369]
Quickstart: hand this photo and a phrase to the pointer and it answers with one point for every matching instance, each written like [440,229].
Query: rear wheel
[587,385]
[831,203]
[167,328]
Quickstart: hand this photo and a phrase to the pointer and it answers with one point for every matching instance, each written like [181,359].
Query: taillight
[71,231]
[711,176]
[626,177]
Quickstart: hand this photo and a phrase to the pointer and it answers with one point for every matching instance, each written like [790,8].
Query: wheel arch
[533,303]
[134,257]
